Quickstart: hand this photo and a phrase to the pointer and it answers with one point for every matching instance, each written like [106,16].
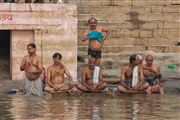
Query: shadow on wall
[136,23]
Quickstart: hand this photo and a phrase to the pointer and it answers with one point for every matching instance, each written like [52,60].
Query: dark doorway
[5,38]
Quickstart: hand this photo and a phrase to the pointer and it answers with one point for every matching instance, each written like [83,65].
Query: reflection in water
[131,107]
[135,109]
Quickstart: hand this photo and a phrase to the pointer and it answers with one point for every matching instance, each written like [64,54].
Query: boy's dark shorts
[95,54]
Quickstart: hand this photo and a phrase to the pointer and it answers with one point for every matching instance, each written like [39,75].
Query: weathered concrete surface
[53,28]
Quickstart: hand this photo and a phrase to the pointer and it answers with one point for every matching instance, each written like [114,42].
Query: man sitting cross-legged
[92,80]
[132,79]
[55,76]
[152,76]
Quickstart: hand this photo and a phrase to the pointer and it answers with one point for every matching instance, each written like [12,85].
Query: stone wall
[135,25]
[53,27]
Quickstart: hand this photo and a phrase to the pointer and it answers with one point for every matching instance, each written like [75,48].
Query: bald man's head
[149,60]
[92,62]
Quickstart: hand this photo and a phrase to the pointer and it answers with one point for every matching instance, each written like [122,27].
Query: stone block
[139,10]
[164,49]
[119,42]
[109,9]
[86,17]
[120,25]
[172,25]
[116,17]
[175,2]
[138,3]
[177,17]
[83,9]
[158,41]
[158,2]
[156,9]
[146,33]
[166,33]
[120,33]
[171,9]
[5,7]
[150,25]
[151,17]
[135,34]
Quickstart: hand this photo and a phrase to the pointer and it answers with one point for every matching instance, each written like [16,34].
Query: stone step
[140,19]
[117,49]
[97,9]
[120,2]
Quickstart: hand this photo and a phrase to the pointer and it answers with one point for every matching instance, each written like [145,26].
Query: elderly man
[152,76]
[33,67]
[94,34]
[91,82]
[132,78]
[55,76]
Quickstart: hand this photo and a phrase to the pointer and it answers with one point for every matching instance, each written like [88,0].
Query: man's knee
[121,88]
[104,84]
[48,89]
[146,85]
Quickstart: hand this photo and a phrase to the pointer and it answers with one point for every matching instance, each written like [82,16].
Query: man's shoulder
[126,66]
[85,69]
[155,66]
[50,67]
[38,57]
[26,56]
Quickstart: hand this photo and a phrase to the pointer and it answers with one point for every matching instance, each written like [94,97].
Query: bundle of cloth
[135,78]
[96,36]
[96,75]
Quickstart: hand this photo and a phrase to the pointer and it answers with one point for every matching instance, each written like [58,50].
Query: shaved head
[149,60]
[149,57]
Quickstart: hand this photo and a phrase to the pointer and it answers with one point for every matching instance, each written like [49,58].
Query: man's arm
[84,79]
[40,65]
[85,36]
[152,69]
[106,35]
[22,67]
[49,77]
[68,75]
[123,78]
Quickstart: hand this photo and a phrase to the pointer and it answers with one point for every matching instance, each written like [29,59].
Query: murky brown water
[97,107]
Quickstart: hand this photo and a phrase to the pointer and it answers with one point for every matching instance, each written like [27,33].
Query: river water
[91,107]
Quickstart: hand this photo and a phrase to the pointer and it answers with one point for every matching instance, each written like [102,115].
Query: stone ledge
[31,7]
[116,49]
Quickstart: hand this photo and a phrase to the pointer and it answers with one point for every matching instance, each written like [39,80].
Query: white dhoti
[96,75]
[135,77]
[33,87]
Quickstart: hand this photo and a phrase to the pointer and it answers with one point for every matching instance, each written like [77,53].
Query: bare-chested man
[55,76]
[33,67]
[87,79]
[126,77]
[152,76]
[96,39]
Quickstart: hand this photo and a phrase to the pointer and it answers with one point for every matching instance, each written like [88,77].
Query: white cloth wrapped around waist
[96,75]
[33,87]
[135,78]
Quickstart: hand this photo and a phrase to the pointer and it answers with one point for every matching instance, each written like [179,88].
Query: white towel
[96,75]
[135,78]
